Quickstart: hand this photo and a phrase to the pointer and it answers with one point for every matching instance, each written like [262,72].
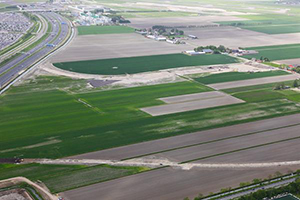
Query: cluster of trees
[162,30]
[282,86]
[264,59]
[296,69]
[119,19]
[216,50]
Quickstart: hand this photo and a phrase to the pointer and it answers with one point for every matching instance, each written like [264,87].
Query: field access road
[193,139]
[60,31]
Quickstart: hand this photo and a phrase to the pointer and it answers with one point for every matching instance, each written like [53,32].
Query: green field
[94,30]
[60,178]
[265,92]
[236,76]
[277,52]
[132,65]
[269,24]
[47,118]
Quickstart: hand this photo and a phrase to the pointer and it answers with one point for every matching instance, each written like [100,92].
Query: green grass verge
[59,178]
[44,110]
[237,76]
[92,30]
[277,52]
[132,65]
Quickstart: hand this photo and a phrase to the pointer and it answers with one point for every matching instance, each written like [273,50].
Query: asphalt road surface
[15,67]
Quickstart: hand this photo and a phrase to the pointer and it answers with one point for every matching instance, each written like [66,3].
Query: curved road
[60,30]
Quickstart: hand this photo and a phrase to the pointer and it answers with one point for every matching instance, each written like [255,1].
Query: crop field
[269,24]
[154,14]
[92,30]
[277,52]
[56,123]
[237,76]
[132,65]
[60,178]
[264,92]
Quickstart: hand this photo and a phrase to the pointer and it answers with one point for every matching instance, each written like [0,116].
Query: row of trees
[293,188]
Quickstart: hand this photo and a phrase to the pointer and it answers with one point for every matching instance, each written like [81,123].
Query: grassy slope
[236,76]
[60,178]
[278,52]
[91,30]
[132,65]
[113,120]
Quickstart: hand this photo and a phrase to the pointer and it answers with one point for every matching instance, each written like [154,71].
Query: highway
[60,30]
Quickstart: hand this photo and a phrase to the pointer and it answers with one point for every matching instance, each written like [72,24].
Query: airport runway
[15,67]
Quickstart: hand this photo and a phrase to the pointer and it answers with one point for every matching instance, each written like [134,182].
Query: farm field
[141,23]
[268,24]
[277,52]
[140,64]
[172,183]
[60,178]
[237,76]
[92,30]
[87,47]
[253,82]
[106,119]
[154,14]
